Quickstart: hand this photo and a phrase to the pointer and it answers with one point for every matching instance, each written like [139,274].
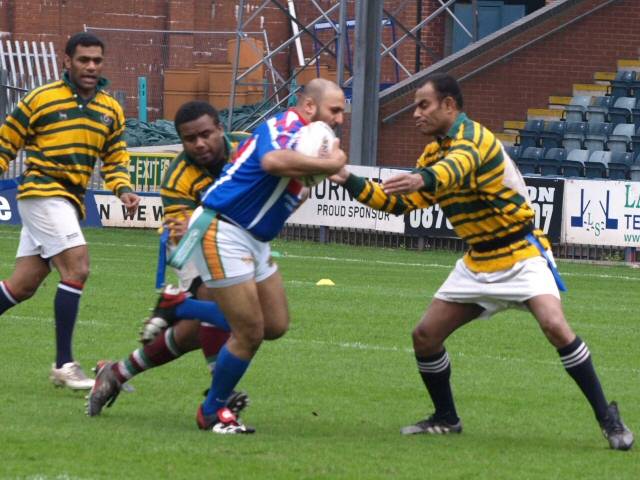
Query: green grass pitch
[329,398]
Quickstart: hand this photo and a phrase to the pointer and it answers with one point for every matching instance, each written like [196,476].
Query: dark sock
[66,305]
[211,339]
[576,360]
[435,371]
[7,300]
[205,311]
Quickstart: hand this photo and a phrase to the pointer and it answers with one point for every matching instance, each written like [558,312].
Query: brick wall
[501,92]
[525,80]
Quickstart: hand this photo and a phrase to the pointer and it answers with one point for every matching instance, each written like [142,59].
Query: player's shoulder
[46,93]
[106,98]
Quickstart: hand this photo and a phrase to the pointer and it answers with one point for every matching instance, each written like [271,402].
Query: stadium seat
[622,110]
[573,166]
[530,134]
[620,165]
[598,110]
[635,141]
[574,133]
[597,135]
[620,138]
[513,151]
[552,134]
[529,159]
[596,167]
[551,164]
[575,111]
[622,85]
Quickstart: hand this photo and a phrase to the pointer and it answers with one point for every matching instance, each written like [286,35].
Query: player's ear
[66,61]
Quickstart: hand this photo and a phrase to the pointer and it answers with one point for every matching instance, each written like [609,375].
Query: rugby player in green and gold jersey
[509,263]
[207,148]
[64,127]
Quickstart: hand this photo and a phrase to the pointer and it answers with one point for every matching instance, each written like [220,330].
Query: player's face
[331,108]
[203,140]
[85,68]
[433,116]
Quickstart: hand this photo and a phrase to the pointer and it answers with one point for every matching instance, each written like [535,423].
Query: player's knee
[24,292]
[557,331]
[250,338]
[277,329]
[424,342]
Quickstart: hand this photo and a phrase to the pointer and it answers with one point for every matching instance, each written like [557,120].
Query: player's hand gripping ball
[315,140]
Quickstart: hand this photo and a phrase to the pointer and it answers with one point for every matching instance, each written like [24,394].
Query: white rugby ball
[316,140]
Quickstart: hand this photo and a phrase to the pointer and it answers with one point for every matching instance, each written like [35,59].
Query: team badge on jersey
[63,115]
[106,119]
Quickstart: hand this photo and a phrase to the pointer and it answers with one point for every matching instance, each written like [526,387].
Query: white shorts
[50,225]
[187,274]
[229,255]
[498,291]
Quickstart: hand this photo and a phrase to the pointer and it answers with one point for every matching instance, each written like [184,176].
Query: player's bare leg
[439,321]
[576,359]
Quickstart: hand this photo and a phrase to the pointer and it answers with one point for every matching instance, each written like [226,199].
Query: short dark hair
[445,86]
[193,110]
[83,38]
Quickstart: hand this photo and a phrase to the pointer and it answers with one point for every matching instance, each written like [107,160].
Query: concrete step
[512,126]
[629,64]
[558,102]
[544,114]
[507,139]
[589,89]
[603,78]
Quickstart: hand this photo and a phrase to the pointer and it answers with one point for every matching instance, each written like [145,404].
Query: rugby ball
[316,140]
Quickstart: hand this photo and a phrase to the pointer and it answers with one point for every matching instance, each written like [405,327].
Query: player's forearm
[289,163]
[371,194]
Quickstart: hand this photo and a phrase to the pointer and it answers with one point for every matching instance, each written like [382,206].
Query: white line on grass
[355,346]
[503,358]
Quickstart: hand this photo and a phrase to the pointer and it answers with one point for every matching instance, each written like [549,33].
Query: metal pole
[342,42]
[232,97]
[366,80]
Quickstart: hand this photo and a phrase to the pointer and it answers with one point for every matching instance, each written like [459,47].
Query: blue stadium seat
[513,151]
[573,166]
[552,134]
[620,165]
[635,141]
[622,110]
[551,164]
[599,109]
[597,135]
[596,167]
[577,108]
[620,138]
[530,134]
[622,85]
[529,159]
[574,133]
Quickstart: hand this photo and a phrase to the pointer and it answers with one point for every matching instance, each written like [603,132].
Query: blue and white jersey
[247,195]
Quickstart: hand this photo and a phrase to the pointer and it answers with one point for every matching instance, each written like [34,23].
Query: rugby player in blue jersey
[243,210]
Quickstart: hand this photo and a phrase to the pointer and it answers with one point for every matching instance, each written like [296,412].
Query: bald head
[322,100]
[318,88]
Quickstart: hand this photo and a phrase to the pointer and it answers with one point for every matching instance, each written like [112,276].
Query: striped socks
[162,350]
[576,360]
[7,300]
[435,371]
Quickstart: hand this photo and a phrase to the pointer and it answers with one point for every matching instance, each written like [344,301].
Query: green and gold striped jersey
[185,181]
[63,137]
[477,186]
